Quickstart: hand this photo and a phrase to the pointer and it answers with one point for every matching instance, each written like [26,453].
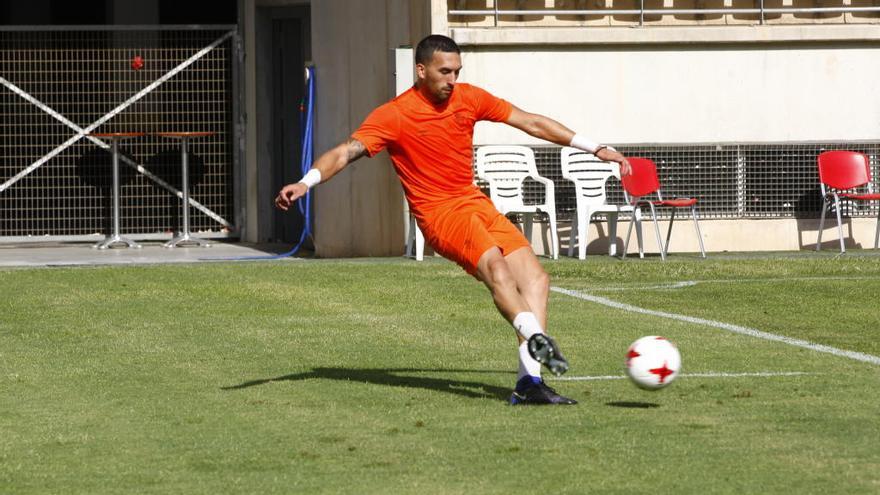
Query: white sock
[526,324]
[527,365]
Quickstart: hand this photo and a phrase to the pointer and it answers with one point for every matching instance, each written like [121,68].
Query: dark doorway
[288,119]
[284,39]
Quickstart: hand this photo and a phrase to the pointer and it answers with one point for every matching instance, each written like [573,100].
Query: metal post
[184,237]
[115,236]
[115,146]
[184,152]
[740,182]
[761,5]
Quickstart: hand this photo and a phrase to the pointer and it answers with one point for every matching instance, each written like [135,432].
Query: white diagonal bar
[83,132]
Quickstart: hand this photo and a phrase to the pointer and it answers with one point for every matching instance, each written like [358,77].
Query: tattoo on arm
[355,150]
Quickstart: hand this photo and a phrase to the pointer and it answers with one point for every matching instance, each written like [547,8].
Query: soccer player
[428,131]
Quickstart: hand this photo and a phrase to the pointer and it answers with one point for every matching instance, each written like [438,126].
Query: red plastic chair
[840,172]
[642,182]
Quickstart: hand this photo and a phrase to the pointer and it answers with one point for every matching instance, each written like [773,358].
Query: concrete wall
[687,93]
[741,235]
[360,211]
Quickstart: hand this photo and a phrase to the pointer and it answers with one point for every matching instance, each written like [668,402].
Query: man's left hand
[615,156]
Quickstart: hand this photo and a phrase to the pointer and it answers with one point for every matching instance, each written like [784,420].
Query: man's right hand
[289,194]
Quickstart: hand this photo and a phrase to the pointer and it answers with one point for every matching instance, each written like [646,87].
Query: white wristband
[582,143]
[312,178]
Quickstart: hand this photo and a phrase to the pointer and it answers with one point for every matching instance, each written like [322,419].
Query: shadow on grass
[391,377]
[633,405]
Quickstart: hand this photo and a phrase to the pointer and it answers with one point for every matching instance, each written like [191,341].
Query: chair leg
[839,224]
[410,236]
[572,235]
[699,234]
[527,226]
[612,233]
[639,236]
[420,244]
[554,236]
[877,233]
[583,225]
[669,230]
[635,220]
[629,232]
[821,224]
[657,232]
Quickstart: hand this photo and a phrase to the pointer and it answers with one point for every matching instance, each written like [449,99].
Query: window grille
[763,180]
[83,75]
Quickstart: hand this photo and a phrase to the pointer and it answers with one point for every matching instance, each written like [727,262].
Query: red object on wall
[137,63]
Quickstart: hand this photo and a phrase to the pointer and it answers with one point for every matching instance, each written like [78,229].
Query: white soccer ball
[652,362]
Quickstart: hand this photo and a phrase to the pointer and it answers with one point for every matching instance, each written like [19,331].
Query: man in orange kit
[428,131]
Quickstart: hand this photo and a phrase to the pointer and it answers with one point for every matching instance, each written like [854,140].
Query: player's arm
[328,165]
[548,129]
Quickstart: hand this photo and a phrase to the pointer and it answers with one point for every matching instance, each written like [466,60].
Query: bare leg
[517,282]
[494,271]
[532,281]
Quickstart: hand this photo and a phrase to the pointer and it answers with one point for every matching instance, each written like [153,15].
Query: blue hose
[306,118]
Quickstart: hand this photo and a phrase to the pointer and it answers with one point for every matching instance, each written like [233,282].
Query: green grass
[391,376]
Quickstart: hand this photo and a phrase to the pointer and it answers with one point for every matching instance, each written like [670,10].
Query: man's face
[438,77]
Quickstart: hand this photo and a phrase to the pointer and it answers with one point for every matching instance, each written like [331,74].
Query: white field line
[760,374]
[751,332]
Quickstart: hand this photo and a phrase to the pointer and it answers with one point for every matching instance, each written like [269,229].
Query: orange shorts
[463,229]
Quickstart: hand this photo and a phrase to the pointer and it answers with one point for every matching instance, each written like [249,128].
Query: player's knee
[539,282]
[501,277]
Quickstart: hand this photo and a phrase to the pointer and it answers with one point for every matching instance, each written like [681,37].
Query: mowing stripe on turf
[690,283]
[858,356]
[674,285]
[687,375]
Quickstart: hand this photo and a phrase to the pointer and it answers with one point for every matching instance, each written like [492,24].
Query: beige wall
[786,234]
[783,92]
[360,211]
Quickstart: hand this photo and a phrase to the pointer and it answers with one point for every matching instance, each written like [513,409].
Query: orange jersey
[431,145]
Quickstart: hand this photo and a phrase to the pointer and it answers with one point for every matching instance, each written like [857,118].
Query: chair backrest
[844,169]
[643,179]
[589,174]
[505,168]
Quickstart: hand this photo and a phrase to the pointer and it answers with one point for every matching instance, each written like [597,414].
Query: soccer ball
[652,362]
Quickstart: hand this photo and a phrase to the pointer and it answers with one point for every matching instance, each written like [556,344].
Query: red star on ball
[630,355]
[662,372]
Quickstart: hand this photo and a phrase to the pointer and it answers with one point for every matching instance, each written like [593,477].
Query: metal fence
[58,85]
[730,180]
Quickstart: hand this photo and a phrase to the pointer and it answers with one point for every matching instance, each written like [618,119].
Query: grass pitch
[391,376]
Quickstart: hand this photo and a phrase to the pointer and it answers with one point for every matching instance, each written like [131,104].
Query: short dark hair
[434,43]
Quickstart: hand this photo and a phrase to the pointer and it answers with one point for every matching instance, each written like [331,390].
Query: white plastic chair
[505,168]
[590,176]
